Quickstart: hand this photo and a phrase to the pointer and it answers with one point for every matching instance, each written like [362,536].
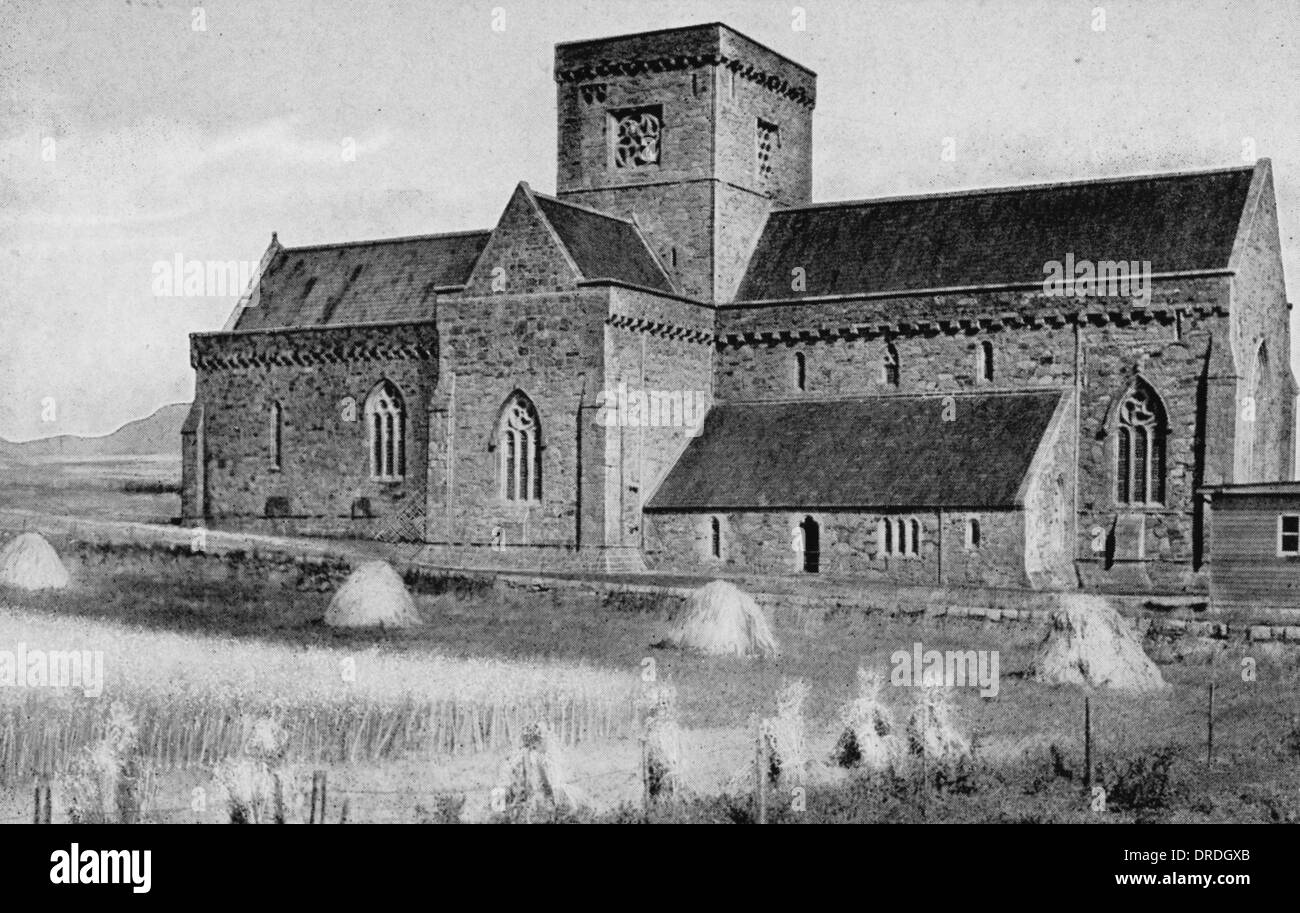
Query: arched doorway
[812,545]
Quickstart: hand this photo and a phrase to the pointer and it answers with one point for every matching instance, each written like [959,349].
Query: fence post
[49,803]
[925,712]
[1087,744]
[343,818]
[36,804]
[322,796]
[761,765]
[1209,734]
[645,776]
[279,800]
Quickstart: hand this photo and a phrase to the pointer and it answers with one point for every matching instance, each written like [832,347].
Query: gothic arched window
[519,440]
[386,421]
[1140,448]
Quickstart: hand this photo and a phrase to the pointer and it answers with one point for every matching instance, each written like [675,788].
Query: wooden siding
[1245,569]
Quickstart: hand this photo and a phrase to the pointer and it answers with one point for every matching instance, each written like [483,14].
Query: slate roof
[604,247]
[362,282]
[878,453]
[1003,236]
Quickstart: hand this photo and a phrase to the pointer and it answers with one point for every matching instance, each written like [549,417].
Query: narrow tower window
[890,372]
[277,435]
[767,141]
[985,367]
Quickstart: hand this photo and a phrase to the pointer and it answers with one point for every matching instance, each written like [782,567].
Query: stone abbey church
[681,362]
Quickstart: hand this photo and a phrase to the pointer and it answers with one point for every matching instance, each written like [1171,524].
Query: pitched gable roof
[878,453]
[1178,222]
[386,281]
[602,246]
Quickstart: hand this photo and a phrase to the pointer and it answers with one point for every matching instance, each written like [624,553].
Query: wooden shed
[1254,545]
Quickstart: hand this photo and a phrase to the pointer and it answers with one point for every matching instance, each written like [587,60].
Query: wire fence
[344,803]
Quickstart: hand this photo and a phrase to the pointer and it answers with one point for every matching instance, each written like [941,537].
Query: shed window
[1288,534]
[972,532]
[715,542]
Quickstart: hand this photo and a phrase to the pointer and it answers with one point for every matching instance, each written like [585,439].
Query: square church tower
[696,133]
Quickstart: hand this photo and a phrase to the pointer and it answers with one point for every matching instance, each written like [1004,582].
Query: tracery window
[386,421]
[1140,448]
[637,133]
[519,444]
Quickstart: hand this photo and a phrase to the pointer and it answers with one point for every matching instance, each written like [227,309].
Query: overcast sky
[167,140]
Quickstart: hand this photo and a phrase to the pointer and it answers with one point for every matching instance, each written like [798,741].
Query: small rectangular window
[1288,534]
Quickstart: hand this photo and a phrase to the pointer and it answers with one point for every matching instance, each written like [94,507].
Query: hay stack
[1091,644]
[932,728]
[867,734]
[31,563]
[536,781]
[259,784]
[372,596]
[787,747]
[665,774]
[721,619]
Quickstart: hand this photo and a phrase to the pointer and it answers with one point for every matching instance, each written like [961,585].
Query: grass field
[143,489]
[185,649]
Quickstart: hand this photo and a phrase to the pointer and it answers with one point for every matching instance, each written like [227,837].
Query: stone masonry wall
[704,202]
[1034,339]
[1262,350]
[523,256]
[768,543]
[671,375]
[550,347]
[325,465]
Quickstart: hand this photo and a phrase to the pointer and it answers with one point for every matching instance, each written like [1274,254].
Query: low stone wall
[323,565]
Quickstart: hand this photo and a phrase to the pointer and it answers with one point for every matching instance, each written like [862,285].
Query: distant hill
[158,434]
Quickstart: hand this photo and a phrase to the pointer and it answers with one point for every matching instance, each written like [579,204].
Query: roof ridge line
[582,208]
[370,242]
[1010,188]
[874,397]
